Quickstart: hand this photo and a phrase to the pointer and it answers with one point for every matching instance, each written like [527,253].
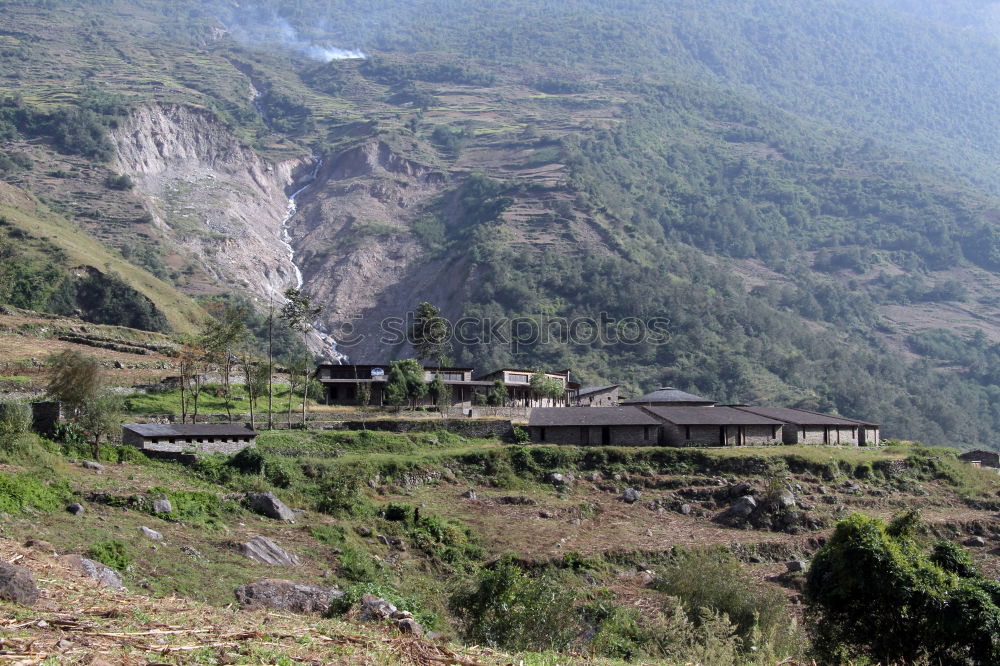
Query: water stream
[319,330]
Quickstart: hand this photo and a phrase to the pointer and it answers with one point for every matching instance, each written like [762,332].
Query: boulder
[75,508]
[264,550]
[268,505]
[631,496]
[469,494]
[17,584]
[96,466]
[976,541]
[408,625]
[740,489]
[372,608]
[559,480]
[104,575]
[594,477]
[287,596]
[685,509]
[162,506]
[796,565]
[786,499]
[151,533]
[738,512]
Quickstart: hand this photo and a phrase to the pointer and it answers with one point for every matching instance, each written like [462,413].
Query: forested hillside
[806,191]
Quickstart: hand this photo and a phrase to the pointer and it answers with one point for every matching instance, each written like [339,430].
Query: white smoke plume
[258,26]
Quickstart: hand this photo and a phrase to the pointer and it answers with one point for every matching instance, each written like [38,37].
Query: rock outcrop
[266,551]
[285,595]
[17,584]
[103,575]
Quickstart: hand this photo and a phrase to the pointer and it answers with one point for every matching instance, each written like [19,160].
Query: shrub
[122,182]
[341,495]
[352,595]
[507,608]
[357,565]
[715,580]
[872,592]
[521,435]
[113,553]
[15,418]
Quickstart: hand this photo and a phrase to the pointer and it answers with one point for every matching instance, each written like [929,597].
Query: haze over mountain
[806,190]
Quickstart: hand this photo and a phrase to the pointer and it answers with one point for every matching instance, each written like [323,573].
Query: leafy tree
[441,393]
[221,337]
[872,591]
[406,382]
[547,387]
[299,312]
[101,418]
[74,378]
[499,395]
[430,334]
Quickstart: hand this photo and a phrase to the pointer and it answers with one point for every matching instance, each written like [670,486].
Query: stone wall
[758,435]
[221,445]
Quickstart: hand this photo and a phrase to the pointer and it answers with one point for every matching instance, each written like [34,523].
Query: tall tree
[430,334]
[221,337]
[406,382]
[299,312]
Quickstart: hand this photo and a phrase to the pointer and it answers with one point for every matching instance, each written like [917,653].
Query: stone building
[668,396]
[802,426]
[605,426]
[341,384]
[714,426]
[981,458]
[518,383]
[598,396]
[180,438]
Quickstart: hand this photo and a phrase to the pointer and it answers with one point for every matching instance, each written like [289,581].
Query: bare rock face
[268,505]
[214,197]
[264,550]
[104,575]
[162,506]
[287,596]
[17,584]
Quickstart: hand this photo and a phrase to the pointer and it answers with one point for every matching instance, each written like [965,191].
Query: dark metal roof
[803,417]
[189,430]
[589,416]
[444,368]
[596,389]
[709,416]
[666,395]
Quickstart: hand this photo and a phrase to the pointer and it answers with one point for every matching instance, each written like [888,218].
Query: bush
[113,553]
[521,435]
[873,593]
[507,608]
[352,595]
[715,580]
[358,566]
[15,418]
[341,495]
[122,182]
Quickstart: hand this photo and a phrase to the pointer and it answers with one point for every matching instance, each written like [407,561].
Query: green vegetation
[113,553]
[874,591]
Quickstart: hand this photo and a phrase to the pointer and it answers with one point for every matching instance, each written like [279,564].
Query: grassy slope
[83,250]
[432,470]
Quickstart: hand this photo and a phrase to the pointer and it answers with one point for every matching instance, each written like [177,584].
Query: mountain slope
[805,195]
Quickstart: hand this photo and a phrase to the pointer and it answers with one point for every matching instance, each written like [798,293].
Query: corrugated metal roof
[589,416]
[667,394]
[189,430]
[796,416]
[709,416]
[596,389]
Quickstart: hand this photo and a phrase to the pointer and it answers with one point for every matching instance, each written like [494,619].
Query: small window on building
[512,377]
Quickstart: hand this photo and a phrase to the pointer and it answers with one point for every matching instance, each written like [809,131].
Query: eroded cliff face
[217,200]
[356,252]
[224,205]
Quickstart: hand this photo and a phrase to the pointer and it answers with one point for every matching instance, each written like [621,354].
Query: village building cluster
[597,415]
